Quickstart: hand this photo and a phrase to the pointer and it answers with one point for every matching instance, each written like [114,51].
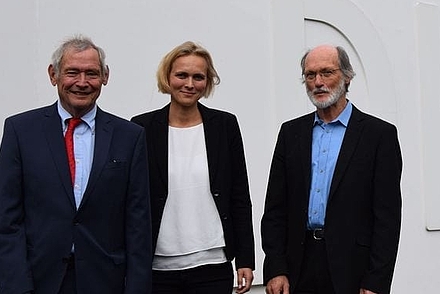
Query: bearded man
[332,214]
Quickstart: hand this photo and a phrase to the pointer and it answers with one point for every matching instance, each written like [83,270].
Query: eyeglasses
[324,74]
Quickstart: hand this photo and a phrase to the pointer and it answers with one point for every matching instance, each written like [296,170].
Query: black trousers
[212,279]
[315,277]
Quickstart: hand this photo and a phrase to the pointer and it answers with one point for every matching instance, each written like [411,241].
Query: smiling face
[187,80]
[79,80]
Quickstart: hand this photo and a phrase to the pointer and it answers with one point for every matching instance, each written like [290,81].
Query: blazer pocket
[363,241]
[118,257]
[115,163]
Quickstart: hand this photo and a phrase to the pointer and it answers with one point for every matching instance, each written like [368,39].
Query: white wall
[256,46]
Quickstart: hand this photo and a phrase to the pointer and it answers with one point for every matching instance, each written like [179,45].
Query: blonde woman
[201,207]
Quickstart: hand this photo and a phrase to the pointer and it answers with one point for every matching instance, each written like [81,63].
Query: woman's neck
[184,117]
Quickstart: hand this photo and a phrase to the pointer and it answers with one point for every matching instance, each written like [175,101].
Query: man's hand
[365,291]
[278,285]
[245,276]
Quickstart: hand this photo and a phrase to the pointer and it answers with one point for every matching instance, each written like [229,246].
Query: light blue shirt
[83,142]
[326,143]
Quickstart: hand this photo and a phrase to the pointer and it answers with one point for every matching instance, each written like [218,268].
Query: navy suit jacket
[227,176]
[39,221]
[363,215]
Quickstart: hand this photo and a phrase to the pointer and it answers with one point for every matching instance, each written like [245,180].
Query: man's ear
[52,75]
[106,76]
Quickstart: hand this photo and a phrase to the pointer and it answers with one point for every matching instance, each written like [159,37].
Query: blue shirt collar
[343,117]
[88,118]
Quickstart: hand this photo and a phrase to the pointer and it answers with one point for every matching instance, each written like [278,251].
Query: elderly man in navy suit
[333,205]
[82,227]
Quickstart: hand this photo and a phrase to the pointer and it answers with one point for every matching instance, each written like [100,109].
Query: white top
[191,232]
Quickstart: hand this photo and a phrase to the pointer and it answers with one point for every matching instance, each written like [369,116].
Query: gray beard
[332,99]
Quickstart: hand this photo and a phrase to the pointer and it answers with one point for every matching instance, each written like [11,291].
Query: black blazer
[363,215]
[227,175]
[39,220]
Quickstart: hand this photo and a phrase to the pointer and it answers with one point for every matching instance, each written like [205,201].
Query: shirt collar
[88,118]
[343,117]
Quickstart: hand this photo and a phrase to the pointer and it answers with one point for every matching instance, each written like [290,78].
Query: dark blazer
[363,216]
[39,222]
[227,175]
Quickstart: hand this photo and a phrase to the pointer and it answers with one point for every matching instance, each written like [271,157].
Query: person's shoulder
[146,117]
[216,112]
[117,121]
[293,122]
[31,114]
[371,120]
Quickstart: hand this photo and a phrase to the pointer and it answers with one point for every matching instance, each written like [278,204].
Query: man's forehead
[322,57]
[84,58]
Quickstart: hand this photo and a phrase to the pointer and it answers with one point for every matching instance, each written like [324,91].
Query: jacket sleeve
[241,205]
[138,223]
[15,273]
[274,220]
[387,205]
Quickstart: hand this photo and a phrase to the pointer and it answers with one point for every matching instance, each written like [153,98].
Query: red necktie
[72,123]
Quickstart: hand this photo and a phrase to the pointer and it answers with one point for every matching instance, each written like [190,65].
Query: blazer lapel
[349,145]
[53,132]
[103,137]
[160,143]
[212,140]
[305,145]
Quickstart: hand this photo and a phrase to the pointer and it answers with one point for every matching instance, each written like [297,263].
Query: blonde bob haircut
[185,49]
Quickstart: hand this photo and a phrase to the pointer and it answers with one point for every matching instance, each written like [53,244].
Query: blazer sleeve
[274,220]
[387,205]
[138,222]
[241,205]
[15,273]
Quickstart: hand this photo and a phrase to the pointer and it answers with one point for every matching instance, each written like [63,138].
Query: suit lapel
[212,140]
[160,143]
[103,137]
[305,145]
[349,145]
[53,132]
